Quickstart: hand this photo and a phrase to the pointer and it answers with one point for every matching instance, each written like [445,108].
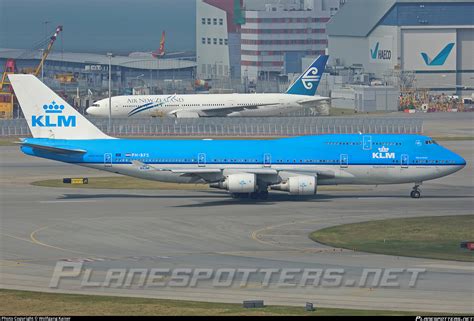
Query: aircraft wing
[144,166]
[258,171]
[223,111]
[211,175]
[57,150]
[196,171]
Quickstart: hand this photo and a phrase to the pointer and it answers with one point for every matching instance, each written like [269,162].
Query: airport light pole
[138,78]
[110,55]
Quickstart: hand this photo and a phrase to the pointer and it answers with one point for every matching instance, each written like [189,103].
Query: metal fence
[244,127]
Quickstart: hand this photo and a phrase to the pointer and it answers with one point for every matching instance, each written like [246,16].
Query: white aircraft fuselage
[193,106]
[302,93]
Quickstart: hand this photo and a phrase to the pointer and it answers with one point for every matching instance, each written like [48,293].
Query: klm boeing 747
[243,168]
[301,94]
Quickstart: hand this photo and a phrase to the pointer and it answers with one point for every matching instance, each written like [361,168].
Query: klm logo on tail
[441,58]
[308,82]
[53,117]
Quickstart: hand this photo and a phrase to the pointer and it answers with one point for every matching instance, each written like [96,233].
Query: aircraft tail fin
[161,51]
[308,82]
[48,115]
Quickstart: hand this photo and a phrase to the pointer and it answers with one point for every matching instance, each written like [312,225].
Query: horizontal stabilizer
[57,150]
[306,102]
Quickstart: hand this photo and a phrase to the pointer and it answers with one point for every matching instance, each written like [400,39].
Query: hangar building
[433,40]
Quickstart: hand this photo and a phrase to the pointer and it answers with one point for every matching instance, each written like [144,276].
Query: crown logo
[53,108]
[384,149]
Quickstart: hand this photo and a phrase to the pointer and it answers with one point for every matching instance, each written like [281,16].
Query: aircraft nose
[462,162]
[91,111]
[459,162]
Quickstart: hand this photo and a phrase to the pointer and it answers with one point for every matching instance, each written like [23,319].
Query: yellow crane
[6,92]
[36,71]
[48,50]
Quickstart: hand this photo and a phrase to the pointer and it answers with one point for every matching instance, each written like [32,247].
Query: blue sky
[99,25]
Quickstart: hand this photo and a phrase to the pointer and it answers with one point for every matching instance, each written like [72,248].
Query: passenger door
[405,161]
[367,144]
[344,161]
[267,160]
[202,160]
[107,160]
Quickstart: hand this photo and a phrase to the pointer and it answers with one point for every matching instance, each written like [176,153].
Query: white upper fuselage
[204,105]
[302,93]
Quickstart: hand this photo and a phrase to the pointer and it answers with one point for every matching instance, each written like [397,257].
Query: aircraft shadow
[212,199]
[385,196]
[134,196]
[273,199]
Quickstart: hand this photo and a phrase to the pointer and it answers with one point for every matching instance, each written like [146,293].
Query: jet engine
[298,185]
[186,114]
[238,183]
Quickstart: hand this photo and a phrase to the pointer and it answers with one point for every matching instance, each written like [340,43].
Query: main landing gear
[415,193]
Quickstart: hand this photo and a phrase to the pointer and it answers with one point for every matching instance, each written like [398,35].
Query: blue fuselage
[353,158]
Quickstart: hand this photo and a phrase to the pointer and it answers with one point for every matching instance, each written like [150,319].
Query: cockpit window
[95,105]
[431,142]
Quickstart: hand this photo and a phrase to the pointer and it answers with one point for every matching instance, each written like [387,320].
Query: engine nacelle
[187,114]
[298,185]
[238,183]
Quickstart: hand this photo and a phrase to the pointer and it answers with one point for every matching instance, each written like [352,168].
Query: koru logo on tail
[383,153]
[53,117]
[310,77]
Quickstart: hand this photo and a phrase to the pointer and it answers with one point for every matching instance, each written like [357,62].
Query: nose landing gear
[415,193]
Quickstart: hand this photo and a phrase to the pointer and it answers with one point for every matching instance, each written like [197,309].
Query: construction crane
[6,92]
[47,50]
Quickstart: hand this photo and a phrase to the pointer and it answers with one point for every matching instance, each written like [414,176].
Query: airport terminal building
[89,70]
[431,40]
